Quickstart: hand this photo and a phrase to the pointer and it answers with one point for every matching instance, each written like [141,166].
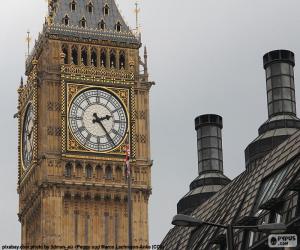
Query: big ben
[84,100]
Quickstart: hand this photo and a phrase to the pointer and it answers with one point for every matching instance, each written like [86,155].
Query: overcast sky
[205,56]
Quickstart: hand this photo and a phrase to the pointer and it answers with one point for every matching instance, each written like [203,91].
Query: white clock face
[27,137]
[98,120]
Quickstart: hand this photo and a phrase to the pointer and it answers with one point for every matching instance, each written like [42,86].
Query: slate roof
[237,200]
[62,9]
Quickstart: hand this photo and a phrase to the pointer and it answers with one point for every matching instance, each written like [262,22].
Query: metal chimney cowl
[210,163]
[282,117]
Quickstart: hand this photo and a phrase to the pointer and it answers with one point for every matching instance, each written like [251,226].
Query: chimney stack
[209,143]
[279,66]
[210,163]
[283,121]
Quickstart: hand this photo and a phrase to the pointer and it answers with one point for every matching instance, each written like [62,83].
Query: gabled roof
[61,9]
[238,199]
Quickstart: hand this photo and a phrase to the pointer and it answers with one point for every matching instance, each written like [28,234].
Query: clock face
[98,120]
[27,137]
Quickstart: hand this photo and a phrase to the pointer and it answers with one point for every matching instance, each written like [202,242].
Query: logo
[282,240]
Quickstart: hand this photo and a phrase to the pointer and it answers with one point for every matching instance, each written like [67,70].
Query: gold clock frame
[28,95]
[73,90]
[70,145]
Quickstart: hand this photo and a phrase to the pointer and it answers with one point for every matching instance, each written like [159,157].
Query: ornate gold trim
[70,91]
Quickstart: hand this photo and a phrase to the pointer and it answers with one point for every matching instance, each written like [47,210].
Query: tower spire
[28,40]
[137,11]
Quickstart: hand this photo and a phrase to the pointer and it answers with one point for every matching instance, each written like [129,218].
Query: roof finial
[137,11]
[21,82]
[28,40]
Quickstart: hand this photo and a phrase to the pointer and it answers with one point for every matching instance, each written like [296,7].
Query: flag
[127,158]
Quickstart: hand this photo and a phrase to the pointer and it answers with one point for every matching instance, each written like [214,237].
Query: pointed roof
[93,12]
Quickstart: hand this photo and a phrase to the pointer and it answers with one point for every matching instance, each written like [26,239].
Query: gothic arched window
[122,59]
[94,58]
[90,7]
[118,27]
[106,10]
[99,172]
[89,171]
[112,59]
[66,53]
[108,172]
[101,25]
[118,173]
[83,22]
[84,56]
[78,169]
[66,20]
[68,169]
[73,5]
[103,58]
[75,55]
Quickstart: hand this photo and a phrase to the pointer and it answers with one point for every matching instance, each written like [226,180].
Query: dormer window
[90,7]
[83,23]
[73,5]
[66,20]
[106,10]
[118,27]
[102,25]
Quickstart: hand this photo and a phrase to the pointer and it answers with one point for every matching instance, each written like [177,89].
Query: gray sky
[205,56]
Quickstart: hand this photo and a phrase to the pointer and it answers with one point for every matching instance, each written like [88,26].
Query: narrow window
[103,58]
[118,27]
[106,10]
[84,56]
[106,227]
[102,25]
[68,170]
[118,173]
[83,22]
[86,229]
[122,59]
[74,56]
[66,20]
[99,171]
[112,59]
[78,170]
[73,5]
[108,172]
[66,54]
[117,226]
[89,171]
[76,213]
[90,7]
[94,58]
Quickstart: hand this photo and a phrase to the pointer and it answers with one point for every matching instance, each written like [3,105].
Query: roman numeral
[108,101]
[81,129]
[116,110]
[77,118]
[115,132]
[119,121]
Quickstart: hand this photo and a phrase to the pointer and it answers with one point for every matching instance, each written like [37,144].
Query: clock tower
[85,98]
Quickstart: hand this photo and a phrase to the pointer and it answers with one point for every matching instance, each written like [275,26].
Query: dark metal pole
[229,237]
[129,212]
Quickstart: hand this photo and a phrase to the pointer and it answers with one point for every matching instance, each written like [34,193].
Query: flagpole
[129,212]
[129,200]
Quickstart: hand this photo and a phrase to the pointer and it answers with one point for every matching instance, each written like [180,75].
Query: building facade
[268,190]
[85,98]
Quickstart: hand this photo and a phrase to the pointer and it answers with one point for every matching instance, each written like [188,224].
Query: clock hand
[107,117]
[107,134]
[99,120]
